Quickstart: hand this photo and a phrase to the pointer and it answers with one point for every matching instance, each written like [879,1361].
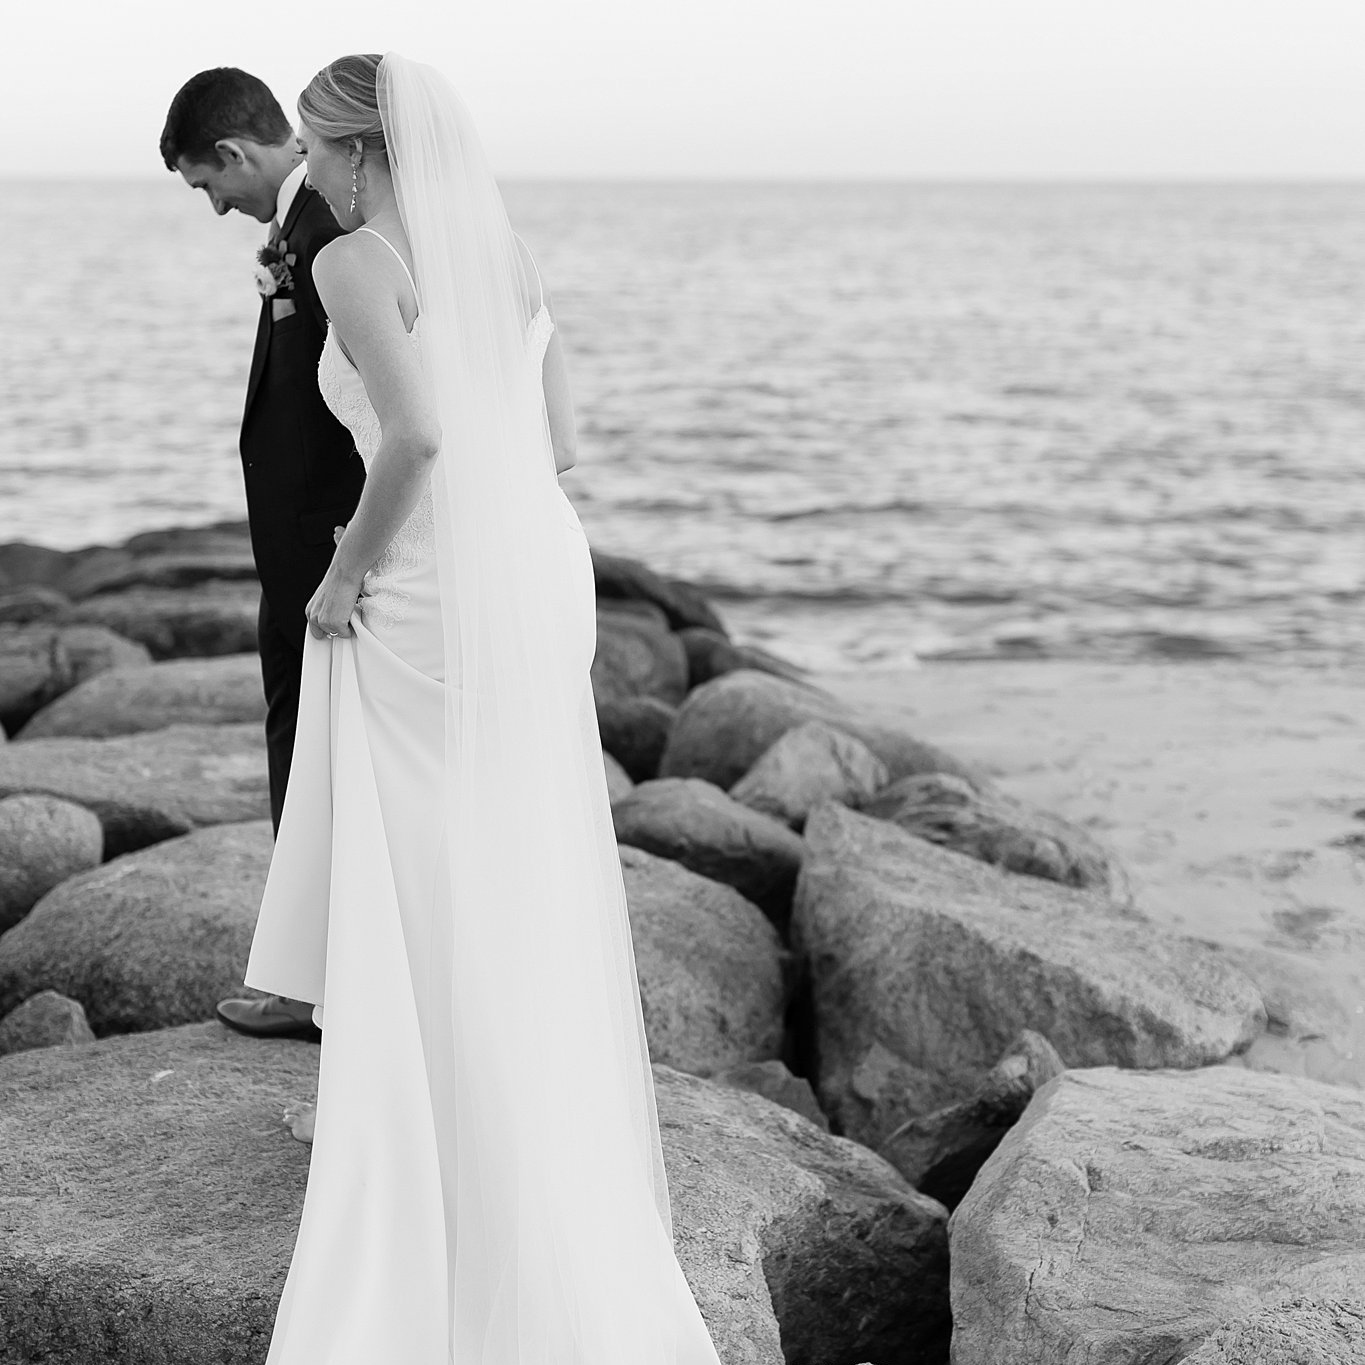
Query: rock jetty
[876,988]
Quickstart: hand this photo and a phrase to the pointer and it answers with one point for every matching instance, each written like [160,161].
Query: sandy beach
[1233,792]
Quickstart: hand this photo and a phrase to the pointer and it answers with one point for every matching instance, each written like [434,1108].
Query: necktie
[275,233]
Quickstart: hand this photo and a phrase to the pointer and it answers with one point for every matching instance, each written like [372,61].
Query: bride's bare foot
[300,1119]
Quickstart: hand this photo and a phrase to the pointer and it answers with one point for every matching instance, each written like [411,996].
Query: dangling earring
[355,189]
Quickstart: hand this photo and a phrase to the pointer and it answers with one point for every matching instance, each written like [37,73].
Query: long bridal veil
[558,1238]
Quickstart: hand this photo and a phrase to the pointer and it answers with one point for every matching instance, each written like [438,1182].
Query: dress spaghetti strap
[396,252]
[540,288]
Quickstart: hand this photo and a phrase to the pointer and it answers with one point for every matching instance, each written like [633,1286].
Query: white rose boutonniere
[273,274]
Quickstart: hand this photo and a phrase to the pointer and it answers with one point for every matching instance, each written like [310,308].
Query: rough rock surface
[634,731]
[1301,1332]
[44,1020]
[637,658]
[850,1255]
[632,608]
[926,964]
[998,830]
[43,841]
[940,1153]
[699,826]
[214,617]
[148,787]
[710,967]
[1128,1215]
[812,763]
[164,569]
[94,649]
[149,940]
[134,1165]
[220,537]
[38,662]
[618,780]
[775,1082]
[22,562]
[709,654]
[621,579]
[126,701]
[727,724]
[22,605]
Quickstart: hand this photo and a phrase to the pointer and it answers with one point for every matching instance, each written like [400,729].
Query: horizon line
[1061,179]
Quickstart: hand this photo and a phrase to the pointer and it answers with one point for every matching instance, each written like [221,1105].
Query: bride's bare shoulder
[345,269]
[342,258]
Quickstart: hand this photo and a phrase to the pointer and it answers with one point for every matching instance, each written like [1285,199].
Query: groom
[227,135]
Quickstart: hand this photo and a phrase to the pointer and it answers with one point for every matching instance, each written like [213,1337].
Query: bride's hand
[329,610]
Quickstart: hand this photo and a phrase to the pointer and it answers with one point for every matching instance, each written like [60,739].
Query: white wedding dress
[440,1225]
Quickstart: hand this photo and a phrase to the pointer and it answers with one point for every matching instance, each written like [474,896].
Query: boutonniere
[273,273]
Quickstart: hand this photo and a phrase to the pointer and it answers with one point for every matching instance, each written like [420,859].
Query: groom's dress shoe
[272,1017]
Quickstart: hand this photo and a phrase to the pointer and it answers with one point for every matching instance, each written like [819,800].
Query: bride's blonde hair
[341,103]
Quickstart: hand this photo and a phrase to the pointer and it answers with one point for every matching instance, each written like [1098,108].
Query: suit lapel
[262,351]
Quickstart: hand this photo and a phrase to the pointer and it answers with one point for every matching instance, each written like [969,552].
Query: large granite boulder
[774,1081]
[22,562]
[217,538]
[30,602]
[766,1205]
[925,965]
[940,1153]
[1127,1216]
[812,763]
[634,731]
[620,579]
[152,1196]
[709,654]
[38,662]
[710,967]
[164,569]
[151,939]
[998,830]
[726,725]
[699,826]
[214,617]
[1313,1011]
[618,779]
[1303,1331]
[632,609]
[126,701]
[43,841]
[637,657]
[47,1019]
[152,786]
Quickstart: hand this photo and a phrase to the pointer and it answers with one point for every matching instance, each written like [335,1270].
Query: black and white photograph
[683,685]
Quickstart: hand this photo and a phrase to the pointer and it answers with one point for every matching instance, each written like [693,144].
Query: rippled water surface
[876,421]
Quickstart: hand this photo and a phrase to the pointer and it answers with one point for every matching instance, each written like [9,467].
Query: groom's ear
[231,151]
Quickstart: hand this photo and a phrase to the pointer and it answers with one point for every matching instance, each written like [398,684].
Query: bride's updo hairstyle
[341,102]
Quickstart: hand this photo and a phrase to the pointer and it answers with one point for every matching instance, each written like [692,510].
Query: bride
[486,1184]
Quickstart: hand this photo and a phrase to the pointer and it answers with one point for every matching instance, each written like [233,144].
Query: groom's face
[234,182]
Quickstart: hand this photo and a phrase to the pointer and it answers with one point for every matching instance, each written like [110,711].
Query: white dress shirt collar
[293,182]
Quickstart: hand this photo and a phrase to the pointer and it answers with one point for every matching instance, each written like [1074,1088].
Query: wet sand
[1233,793]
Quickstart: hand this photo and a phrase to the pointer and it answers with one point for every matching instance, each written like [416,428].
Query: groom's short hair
[223,102]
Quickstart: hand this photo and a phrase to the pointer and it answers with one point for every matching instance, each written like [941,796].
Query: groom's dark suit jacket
[303,476]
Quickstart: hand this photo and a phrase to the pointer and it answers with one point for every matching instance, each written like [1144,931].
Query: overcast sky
[784,88]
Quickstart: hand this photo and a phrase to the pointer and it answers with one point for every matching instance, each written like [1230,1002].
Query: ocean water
[876,422]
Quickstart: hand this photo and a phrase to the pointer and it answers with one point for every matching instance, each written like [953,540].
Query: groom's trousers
[281,673]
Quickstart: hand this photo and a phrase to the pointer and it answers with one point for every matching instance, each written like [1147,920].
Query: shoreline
[1233,792]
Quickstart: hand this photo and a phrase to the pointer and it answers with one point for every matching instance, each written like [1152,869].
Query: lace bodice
[413,547]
